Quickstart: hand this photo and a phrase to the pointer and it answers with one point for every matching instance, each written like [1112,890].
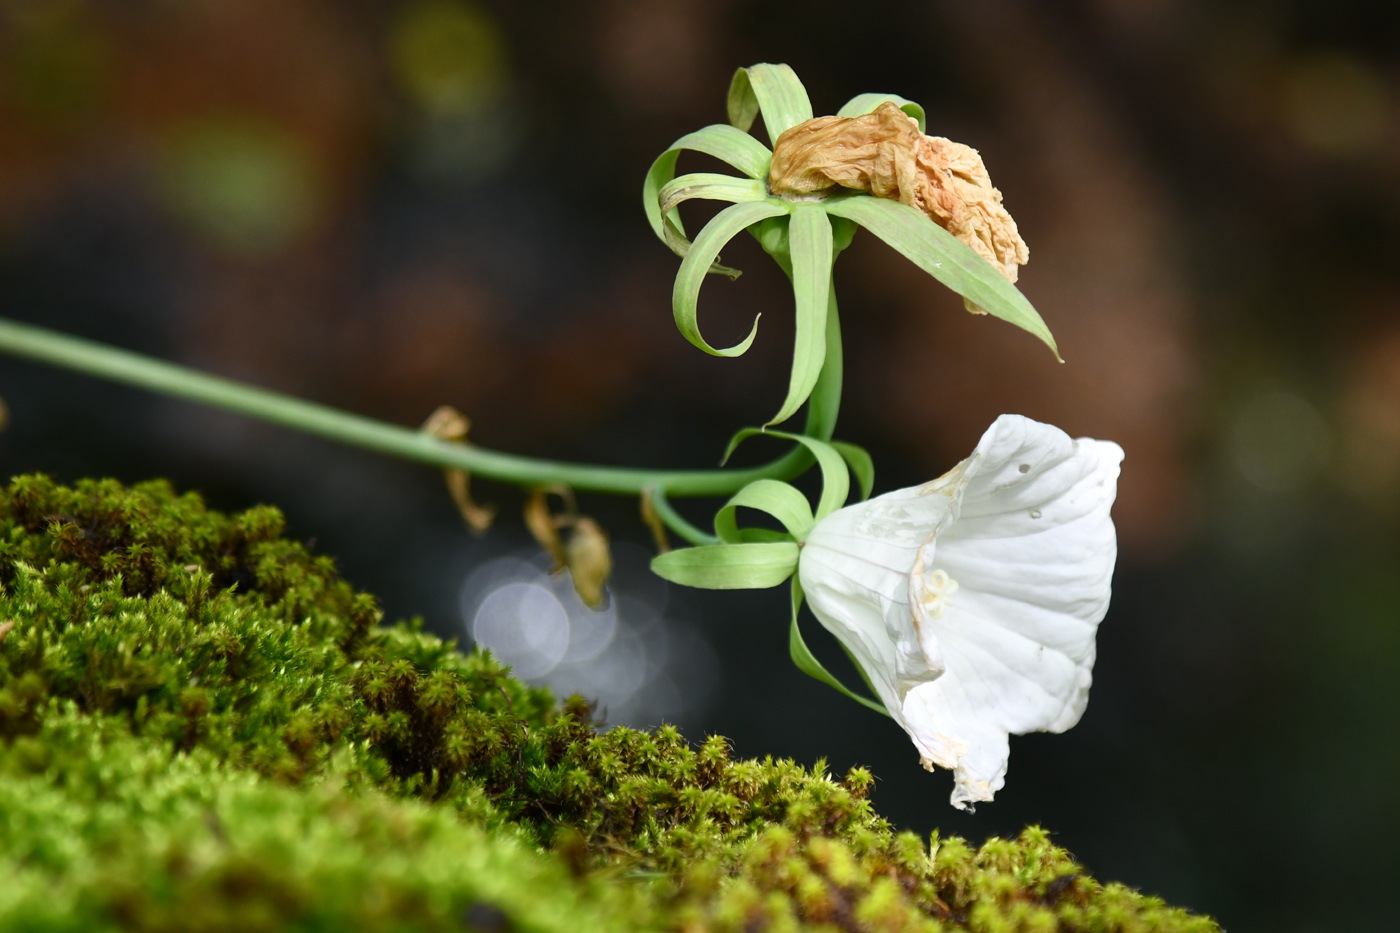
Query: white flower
[972,601]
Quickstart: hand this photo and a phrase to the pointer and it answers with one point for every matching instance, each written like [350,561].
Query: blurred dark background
[387,206]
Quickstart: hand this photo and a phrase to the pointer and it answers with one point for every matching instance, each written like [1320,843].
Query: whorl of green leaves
[203,728]
[804,237]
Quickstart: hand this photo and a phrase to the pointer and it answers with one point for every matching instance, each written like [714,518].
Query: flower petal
[1008,560]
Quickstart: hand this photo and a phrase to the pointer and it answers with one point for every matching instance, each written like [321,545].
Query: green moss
[203,727]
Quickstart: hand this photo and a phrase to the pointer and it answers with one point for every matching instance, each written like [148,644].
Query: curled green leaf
[686,294]
[836,481]
[774,91]
[709,187]
[861,464]
[725,143]
[780,500]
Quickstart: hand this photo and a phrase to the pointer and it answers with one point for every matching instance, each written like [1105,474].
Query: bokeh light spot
[1279,441]
[244,184]
[524,626]
[1334,104]
[448,57]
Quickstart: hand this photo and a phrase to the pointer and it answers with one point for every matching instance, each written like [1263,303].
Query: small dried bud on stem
[449,424]
[586,553]
[884,153]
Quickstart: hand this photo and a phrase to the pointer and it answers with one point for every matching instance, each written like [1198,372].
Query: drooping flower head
[870,165]
[972,602]
[885,153]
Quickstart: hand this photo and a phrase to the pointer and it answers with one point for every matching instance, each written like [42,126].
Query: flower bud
[589,560]
[449,424]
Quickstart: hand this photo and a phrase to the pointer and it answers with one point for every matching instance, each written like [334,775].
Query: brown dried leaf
[884,154]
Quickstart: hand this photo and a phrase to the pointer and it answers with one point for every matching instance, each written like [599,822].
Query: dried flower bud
[544,525]
[589,560]
[885,154]
[449,424]
[586,554]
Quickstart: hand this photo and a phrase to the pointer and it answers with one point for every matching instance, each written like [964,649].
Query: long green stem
[105,362]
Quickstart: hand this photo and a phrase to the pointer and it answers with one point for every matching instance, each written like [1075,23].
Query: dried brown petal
[885,154]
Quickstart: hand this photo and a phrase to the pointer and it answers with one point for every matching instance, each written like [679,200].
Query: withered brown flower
[884,153]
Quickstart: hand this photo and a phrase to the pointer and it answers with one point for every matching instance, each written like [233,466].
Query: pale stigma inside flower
[938,593]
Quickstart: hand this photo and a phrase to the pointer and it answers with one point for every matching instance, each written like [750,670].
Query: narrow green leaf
[808,664]
[943,256]
[862,104]
[728,566]
[772,90]
[710,187]
[762,535]
[809,242]
[703,252]
[778,499]
[836,481]
[725,143]
[858,459]
[824,404]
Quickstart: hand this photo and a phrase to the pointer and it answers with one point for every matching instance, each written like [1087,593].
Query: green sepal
[686,294]
[761,535]
[710,187]
[725,143]
[949,260]
[836,482]
[862,104]
[780,500]
[728,566]
[861,464]
[774,91]
[808,664]
[810,250]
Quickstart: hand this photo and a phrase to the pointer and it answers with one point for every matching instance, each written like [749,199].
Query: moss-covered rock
[203,728]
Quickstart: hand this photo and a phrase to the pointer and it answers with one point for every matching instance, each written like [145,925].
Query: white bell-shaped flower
[972,601]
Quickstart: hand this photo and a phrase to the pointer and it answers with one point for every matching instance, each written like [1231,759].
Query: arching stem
[134,369]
